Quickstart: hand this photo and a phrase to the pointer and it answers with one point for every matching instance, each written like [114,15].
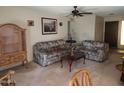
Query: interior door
[111,33]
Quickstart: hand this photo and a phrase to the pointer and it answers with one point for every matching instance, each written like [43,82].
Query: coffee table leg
[61,63]
[70,64]
[122,77]
[84,60]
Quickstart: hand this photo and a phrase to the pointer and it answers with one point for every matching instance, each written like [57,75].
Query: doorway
[111,33]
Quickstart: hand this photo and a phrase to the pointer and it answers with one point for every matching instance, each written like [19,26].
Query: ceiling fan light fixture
[76,13]
[75,17]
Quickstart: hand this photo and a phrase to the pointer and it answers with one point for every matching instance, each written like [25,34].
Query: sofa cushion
[54,54]
[53,44]
[42,45]
[90,44]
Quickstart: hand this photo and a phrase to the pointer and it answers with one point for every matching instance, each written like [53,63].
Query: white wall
[116,18]
[20,15]
[83,28]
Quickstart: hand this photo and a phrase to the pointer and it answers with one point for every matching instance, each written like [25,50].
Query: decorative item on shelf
[49,26]
[30,22]
[60,24]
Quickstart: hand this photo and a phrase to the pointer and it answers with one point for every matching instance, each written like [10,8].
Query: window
[122,33]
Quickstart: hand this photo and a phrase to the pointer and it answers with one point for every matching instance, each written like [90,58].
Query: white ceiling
[98,10]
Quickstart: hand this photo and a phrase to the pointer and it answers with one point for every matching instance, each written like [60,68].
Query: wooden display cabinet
[12,45]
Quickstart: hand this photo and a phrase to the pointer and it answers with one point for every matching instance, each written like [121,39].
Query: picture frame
[60,24]
[30,22]
[49,26]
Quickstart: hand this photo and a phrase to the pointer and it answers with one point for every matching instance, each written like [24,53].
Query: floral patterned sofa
[95,50]
[44,52]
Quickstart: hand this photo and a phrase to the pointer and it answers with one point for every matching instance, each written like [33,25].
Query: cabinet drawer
[10,59]
[5,61]
[18,58]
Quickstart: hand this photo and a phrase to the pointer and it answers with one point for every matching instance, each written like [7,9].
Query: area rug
[102,74]
[119,67]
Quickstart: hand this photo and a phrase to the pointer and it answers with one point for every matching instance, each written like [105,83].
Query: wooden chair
[80,78]
[7,79]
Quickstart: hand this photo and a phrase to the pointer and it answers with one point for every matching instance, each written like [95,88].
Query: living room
[89,26]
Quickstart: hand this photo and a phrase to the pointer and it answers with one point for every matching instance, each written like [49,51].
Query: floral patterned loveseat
[95,50]
[44,52]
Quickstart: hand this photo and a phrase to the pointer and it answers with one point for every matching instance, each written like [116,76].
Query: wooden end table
[122,75]
[70,59]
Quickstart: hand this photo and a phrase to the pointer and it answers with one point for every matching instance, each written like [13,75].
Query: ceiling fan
[76,12]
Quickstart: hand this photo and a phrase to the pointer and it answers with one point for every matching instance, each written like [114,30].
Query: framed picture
[49,26]
[30,22]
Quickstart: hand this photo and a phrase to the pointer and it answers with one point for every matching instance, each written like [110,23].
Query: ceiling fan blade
[86,13]
[80,15]
[68,15]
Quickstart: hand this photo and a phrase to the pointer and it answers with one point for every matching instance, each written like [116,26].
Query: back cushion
[49,44]
[52,44]
[87,44]
[42,45]
[90,44]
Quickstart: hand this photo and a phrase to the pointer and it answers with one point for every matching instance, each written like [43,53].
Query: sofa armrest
[107,47]
[38,53]
[37,50]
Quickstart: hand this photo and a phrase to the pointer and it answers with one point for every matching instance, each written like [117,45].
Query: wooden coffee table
[70,59]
